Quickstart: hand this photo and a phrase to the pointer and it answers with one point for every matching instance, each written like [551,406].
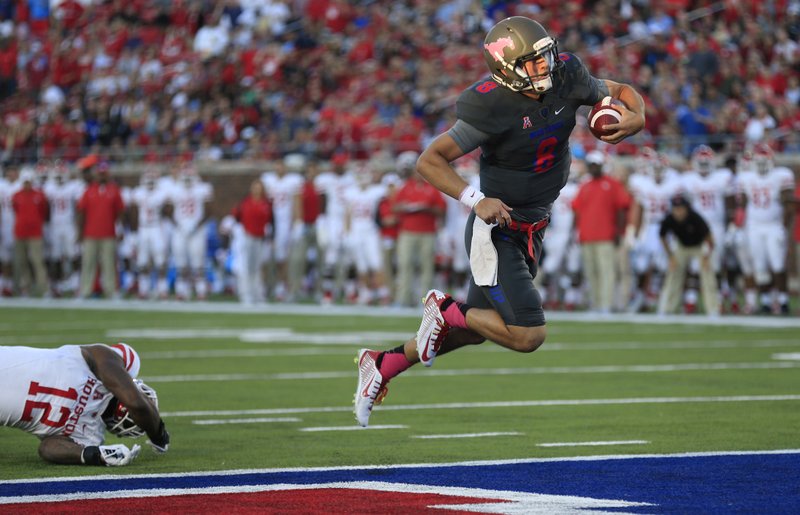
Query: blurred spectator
[759,125]
[600,206]
[419,206]
[31,212]
[99,209]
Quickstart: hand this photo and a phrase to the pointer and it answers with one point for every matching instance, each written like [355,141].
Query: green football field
[259,390]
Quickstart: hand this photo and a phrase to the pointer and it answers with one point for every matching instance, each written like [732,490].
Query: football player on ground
[768,190]
[151,242]
[652,185]
[521,117]
[69,396]
[282,186]
[189,199]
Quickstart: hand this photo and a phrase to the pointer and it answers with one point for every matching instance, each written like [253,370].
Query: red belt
[529,228]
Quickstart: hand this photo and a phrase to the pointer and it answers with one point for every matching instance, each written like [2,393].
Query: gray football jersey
[526,161]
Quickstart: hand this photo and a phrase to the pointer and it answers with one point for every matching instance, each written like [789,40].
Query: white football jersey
[7,190]
[48,392]
[654,197]
[334,186]
[63,198]
[150,203]
[562,216]
[189,202]
[282,190]
[362,204]
[763,194]
[707,193]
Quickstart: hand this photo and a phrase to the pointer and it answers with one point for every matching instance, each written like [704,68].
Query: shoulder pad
[475,104]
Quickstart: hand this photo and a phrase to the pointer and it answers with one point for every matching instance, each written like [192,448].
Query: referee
[692,240]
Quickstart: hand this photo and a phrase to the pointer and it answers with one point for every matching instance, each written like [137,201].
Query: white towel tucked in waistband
[482,254]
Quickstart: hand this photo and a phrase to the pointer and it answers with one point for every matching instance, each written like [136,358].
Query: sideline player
[69,397]
[151,239]
[521,118]
[768,190]
[652,185]
[190,198]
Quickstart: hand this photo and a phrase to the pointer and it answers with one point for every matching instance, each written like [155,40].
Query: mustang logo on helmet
[496,48]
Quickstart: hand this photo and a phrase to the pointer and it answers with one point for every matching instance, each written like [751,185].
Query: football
[603,114]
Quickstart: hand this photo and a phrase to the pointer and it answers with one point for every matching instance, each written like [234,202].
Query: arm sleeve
[467,137]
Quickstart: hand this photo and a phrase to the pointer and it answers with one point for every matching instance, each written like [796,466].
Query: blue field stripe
[765,483]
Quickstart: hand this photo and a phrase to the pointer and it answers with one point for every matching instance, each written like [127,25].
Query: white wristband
[470,196]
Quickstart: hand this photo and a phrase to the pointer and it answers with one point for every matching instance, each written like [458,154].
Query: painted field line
[496,404]
[593,444]
[467,435]
[350,428]
[472,463]
[316,310]
[215,422]
[600,369]
[549,347]
[792,356]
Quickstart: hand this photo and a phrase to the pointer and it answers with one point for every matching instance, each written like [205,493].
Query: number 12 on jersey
[545,154]
[34,389]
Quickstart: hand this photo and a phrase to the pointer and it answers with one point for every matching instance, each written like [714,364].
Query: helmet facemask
[118,419]
[517,77]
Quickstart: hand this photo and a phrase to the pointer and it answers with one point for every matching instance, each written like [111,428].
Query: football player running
[69,396]
[521,117]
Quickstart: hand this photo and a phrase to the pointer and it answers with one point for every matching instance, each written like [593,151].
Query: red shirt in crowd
[31,211]
[101,205]
[311,202]
[416,200]
[596,207]
[254,215]
[390,228]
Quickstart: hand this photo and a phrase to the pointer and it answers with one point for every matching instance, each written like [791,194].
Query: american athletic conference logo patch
[526,122]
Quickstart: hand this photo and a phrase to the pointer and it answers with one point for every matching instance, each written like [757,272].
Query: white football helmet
[703,159]
[119,421]
[763,158]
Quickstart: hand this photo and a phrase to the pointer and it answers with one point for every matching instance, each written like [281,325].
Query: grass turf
[580,361]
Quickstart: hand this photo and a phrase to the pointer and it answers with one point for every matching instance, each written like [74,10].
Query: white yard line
[600,369]
[593,444]
[791,356]
[548,347]
[215,422]
[467,435]
[494,404]
[350,428]
[371,311]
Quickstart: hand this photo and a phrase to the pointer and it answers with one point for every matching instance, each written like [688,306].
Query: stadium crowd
[338,96]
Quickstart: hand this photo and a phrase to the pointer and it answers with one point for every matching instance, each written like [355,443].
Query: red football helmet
[118,420]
